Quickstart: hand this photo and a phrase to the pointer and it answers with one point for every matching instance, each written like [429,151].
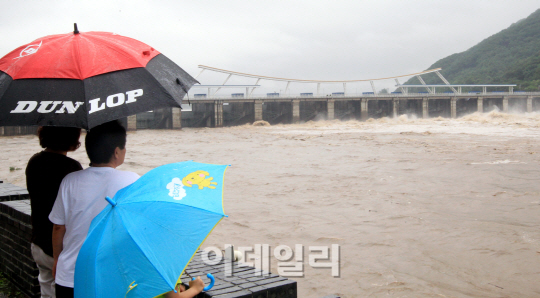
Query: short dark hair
[102,140]
[59,138]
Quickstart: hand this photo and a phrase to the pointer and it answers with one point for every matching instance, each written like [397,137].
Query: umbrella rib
[170,231]
[198,247]
[213,212]
[115,252]
[165,227]
[77,53]
[143,253]
[161,87]
[107,218]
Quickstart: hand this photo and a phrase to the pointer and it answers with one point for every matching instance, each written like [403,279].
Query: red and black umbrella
[83,79]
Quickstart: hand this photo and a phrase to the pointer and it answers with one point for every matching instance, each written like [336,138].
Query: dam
[210,109]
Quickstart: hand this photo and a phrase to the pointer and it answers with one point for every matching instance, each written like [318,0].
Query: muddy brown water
[419,207]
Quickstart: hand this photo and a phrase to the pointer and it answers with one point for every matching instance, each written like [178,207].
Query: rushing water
[420,207]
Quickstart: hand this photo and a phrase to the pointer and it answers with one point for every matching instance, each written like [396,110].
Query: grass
[8,290]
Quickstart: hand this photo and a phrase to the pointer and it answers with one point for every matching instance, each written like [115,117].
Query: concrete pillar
[132,122]
[505,104]
[395,106]
[176,118]
[480,104]
[295,110]
[330,109]
[218,113]
[425,108]
[529,104]
[257,105]
[364,109]
[453,105]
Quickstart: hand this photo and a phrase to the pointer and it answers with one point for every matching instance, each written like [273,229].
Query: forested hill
[511,56]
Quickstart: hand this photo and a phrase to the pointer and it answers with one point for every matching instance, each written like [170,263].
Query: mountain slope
[511,56]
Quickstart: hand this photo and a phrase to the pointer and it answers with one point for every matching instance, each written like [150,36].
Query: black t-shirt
[44,173]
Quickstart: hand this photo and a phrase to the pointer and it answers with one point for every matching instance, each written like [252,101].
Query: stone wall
[17,264]
[10,192]
[16,261]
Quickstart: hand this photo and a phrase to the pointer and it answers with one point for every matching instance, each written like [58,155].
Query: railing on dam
[369,95]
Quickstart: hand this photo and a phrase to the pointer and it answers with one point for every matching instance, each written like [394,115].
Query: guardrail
[366,95]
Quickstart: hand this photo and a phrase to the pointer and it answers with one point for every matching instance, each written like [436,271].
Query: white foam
[492,124]
[496,162]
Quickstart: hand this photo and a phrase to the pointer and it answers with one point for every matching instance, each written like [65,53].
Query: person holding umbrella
[44,173]
[85,79]
[81,197]
[140,245]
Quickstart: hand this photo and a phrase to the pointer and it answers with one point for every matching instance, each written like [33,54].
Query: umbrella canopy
[140,244]
[83,79]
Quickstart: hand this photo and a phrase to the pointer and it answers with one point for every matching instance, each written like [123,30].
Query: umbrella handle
[212,280]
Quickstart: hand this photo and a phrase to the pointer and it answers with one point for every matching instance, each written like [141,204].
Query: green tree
[511,56]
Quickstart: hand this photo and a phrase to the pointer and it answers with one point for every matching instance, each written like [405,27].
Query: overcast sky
[321,40]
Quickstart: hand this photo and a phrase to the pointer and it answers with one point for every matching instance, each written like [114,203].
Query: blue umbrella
[140,244]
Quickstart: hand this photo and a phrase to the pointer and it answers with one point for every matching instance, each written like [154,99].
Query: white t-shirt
[80,198]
